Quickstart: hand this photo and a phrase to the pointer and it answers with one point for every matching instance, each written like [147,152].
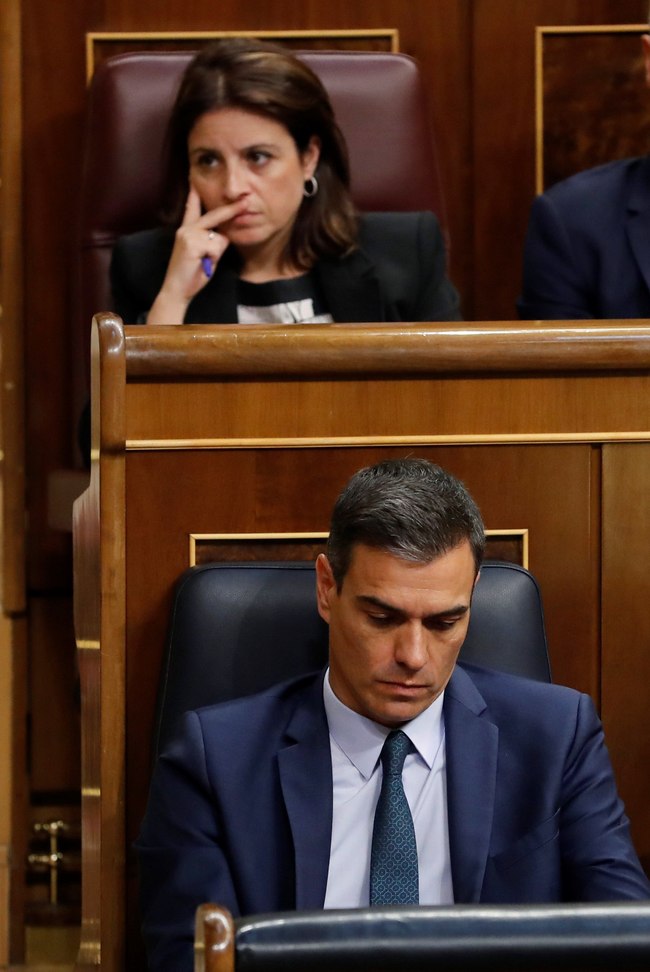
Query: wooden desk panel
[625,661]
[199,433]
[172,495]
[503,408]
[539,381]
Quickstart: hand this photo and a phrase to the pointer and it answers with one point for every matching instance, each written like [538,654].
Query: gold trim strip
[318,535]
[91,791]
[194,537]
[592,28]
[521,438]
[522,533]
[92,37]
[88,644]
[311,535]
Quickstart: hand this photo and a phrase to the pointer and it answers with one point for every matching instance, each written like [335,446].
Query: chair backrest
[239,628]
[465,938]
[379,103]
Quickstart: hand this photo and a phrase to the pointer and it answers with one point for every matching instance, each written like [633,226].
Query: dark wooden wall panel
[591,117]
[53,84]
[503,107]
[54,698]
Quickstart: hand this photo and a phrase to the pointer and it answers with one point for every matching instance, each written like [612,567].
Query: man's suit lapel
[305,767]
[351,289]
[638,219]
[471,742]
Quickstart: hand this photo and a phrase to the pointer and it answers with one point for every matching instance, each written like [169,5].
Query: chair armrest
[214,939]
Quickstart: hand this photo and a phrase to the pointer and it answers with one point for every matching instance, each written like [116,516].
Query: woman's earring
[311,187]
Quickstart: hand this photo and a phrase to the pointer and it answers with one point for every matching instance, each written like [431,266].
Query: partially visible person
[261,225]
[587,251]
[279,801]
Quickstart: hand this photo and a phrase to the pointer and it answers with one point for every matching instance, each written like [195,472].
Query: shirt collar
[361,739]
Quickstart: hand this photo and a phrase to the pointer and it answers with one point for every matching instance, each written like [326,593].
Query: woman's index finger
[192,208]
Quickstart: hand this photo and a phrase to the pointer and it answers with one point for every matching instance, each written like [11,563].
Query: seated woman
[261,225]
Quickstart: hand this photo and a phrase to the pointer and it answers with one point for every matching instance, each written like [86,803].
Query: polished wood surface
[214,940]
[584,382]
[478,348]
[193,439]
[100,620]
[13,643]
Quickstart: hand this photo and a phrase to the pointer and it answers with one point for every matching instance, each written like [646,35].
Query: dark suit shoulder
[610,183]
[519,696]
[254,711]
[533,719]
[241,739]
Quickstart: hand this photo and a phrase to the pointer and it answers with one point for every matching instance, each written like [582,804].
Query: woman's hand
[197,249]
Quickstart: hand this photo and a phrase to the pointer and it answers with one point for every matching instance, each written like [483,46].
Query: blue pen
[206,263]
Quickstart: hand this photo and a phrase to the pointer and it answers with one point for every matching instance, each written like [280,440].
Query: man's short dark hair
[407,507]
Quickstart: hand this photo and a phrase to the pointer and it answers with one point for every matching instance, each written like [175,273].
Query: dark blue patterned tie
[394,854]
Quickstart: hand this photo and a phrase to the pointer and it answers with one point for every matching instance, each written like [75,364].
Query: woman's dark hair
[267,80]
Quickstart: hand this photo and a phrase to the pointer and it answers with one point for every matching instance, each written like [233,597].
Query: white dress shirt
[355,744]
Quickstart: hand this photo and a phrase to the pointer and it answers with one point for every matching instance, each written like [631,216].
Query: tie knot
[394,752]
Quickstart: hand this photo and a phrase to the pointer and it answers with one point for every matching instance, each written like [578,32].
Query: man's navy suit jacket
[587,252]
[240,808]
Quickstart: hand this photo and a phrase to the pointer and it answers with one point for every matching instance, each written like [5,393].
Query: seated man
[397,775]
[587,252]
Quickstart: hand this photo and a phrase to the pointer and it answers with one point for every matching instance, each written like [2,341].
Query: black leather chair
[239,628]
[460,938]
[236,628]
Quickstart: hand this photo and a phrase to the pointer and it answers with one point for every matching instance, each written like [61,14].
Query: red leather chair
[379,102]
